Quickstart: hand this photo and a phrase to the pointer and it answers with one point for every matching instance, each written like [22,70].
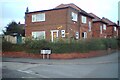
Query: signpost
[46,52]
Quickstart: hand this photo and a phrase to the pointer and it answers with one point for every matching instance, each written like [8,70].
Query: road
[98,67]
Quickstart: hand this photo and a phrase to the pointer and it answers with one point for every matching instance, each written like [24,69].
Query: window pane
[84,35]
[38,35]
[100,29]
[33,18]
[84,19]
[104,26]
[38,17]
[41,17]
[89,25]
[74,16]
[114,28]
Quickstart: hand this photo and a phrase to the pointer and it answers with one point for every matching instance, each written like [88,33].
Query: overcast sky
[14,10]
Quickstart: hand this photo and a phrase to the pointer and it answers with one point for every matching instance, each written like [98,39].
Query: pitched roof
[75,7]
[96,18]
[67,5]
[109,22]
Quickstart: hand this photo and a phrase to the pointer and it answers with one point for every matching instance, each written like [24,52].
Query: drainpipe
[67,15]
[79,24]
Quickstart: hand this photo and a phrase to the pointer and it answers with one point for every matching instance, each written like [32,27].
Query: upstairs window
[100,29]
[38,17]
[84,19]
[33,18]
[115,29]
[74,16]
[89,26]
[104,26]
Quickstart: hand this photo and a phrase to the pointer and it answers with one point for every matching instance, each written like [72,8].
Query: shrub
[95,44]
[118,40]
[8,46]
[110,43]
[82,46]
[34,46]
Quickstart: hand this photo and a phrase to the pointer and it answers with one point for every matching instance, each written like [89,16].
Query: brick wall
[84,27]
[55,19]
[97,32]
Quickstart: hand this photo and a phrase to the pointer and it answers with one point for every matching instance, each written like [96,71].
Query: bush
[34,46]
[95,44]
[110,43]
[118,40]
[82,46]
[7,46]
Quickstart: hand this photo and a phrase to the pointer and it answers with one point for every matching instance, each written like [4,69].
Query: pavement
[95,60]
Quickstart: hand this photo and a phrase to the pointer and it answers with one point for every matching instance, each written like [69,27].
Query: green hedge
[34,46]
[7,46]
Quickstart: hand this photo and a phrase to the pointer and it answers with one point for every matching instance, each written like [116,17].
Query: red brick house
[99,27]
[112,28]
[65,21]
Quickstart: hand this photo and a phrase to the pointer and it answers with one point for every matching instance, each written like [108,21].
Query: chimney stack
[118,23]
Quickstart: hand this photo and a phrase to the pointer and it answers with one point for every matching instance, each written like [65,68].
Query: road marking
[33,73]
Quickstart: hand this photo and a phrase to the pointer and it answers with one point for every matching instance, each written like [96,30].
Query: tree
[14,29]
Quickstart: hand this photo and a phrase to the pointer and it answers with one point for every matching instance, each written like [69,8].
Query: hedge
[82,46]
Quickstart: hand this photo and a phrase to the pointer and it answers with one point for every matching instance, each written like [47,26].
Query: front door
[19,39]
[54,35]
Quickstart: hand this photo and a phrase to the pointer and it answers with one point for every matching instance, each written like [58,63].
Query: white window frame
[52,37]
[84,19]
[115,29]
[85,35]
[89,25]
[33,18]
[62,33]
[104,26]
[101,29]
[74,16]
[36,35]
[38,17]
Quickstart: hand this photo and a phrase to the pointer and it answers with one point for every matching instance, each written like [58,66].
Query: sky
[14,10]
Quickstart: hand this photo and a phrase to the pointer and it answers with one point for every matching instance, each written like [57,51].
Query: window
[84,20]
[104,26]
[38,17]
[84,35]
[115,28]
[74,16]
[89,26]
[38,35]
[100,29]
[33,18]
[63,33]
[77,35]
